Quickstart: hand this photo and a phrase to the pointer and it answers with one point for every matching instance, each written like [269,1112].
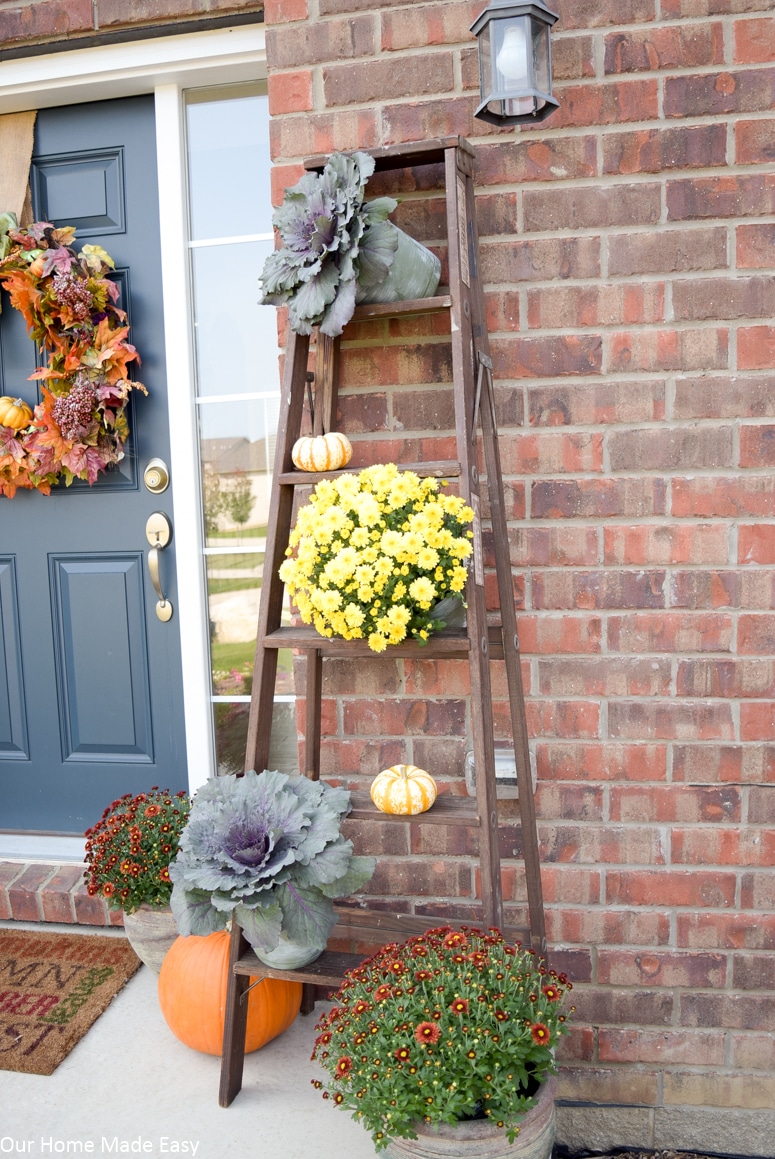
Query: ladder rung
[446,810]
[411,306]
[441,469]
[451,642]
[429,152]
[327,970]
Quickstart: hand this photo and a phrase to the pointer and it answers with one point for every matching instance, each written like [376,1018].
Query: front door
[91,701]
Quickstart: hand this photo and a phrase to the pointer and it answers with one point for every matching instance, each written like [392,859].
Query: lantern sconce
[515,62]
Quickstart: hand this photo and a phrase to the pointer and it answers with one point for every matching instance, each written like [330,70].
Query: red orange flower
[427,1032]
[540,1034]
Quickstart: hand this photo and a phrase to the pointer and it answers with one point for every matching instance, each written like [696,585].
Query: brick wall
[627,250]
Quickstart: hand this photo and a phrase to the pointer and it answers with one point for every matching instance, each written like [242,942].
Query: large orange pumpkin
[192,996]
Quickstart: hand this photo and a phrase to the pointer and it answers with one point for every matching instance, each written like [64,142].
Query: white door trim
[166,67]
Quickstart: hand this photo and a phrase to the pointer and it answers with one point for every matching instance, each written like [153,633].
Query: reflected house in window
[237,475]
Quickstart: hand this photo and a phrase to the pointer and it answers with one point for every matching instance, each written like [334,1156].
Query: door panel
[90,679]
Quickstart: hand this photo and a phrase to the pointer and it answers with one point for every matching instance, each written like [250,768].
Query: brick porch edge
[42,892]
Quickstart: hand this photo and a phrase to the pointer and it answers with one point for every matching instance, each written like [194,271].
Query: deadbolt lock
[156,476]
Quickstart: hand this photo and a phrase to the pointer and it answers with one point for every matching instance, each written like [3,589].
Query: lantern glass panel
[512,57]
[541,60]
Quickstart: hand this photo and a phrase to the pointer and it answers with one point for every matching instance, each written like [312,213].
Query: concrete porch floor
[129,1079]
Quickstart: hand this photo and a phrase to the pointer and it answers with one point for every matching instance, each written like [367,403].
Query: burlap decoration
[16,138]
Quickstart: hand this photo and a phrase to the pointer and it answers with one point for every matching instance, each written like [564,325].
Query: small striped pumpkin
[323,453]
[403,789]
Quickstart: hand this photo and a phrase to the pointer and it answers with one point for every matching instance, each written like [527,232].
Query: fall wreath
[79,428]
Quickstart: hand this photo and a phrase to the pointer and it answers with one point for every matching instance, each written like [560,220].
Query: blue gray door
[90,678]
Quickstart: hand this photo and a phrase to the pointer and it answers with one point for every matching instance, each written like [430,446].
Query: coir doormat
[53,987]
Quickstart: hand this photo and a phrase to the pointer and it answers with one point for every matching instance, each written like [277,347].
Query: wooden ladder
[474,406]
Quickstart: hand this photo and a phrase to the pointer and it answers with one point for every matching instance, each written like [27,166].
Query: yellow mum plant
[373,554]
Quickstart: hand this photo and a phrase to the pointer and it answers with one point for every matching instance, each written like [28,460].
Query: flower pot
[481,1139]
[150,932]
[288,955]
[415,273]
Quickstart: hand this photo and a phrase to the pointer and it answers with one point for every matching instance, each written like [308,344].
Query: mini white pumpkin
[326,452]
[403,789]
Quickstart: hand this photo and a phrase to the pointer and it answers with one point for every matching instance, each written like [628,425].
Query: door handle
[158,532]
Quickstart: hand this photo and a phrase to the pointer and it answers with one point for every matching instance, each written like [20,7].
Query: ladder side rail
[313,707]
[326,383]
[456,167]
[511,652]
[277,533]
[235,1021]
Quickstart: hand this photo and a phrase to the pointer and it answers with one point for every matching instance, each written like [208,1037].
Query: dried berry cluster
[450,1025]
[129,850]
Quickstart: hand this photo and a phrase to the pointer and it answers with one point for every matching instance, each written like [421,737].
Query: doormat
[53,987]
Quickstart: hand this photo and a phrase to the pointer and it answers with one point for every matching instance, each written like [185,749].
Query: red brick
[757,890]
[729,196]
[9,872]
[761,805]
[600,13]
[679,632]
[632,719]
[650,350]
[756,542]
[552,634]
[90,911]
[754,972]
[755,246]
[540,260]
[24,893]
[597,402]
[757,445]
[563,718]
[636,1045]
[729,678]
[573,58]
[602,762]
[723,846]
[670,47]
[756,635]
[598,589]
[570,884]
[551,453]
[604,676]
[610,305]
[608,927]
[607,1006]
[670,887]
[746,297]
[56,899]
[741,1011]
[597,498]
[757,721]
[723,495]
[571,802]
[707,931]
[594,103]
[711,94]
[578,1044]
[666,544]
[290,92]
[322,133]
[527,159]
[422,119]
[723,764]
[672,8]
[414,877]
[282,11]
[403,717]
[46,20]
[547,357]
[380,80]
[754,40]
[753,1051]
[591,207]
[726,397]
[426,24]
[672,449]
[668,251]
[658,150]
[317,41]
[707,589]
[756,347]
[623,968]
[602,844]
[553,546]
[666,803]
[754,141]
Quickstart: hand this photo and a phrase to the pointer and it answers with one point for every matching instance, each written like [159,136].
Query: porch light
[515,62]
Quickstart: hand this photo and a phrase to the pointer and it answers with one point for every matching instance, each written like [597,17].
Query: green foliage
[450,1025]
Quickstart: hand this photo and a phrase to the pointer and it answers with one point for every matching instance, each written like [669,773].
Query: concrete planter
[150,932]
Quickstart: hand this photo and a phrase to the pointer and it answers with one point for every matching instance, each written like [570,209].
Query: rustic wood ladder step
[360,929]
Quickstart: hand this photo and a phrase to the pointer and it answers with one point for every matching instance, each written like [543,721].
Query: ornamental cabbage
[266,850]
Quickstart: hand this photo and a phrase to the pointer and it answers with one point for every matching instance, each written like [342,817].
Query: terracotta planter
[415,273]
[151,932]
[288,955]
[480,1139]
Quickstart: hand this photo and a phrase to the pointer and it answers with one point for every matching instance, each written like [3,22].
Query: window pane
[236,338]
[231,733]
[237,442]
[228,143]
